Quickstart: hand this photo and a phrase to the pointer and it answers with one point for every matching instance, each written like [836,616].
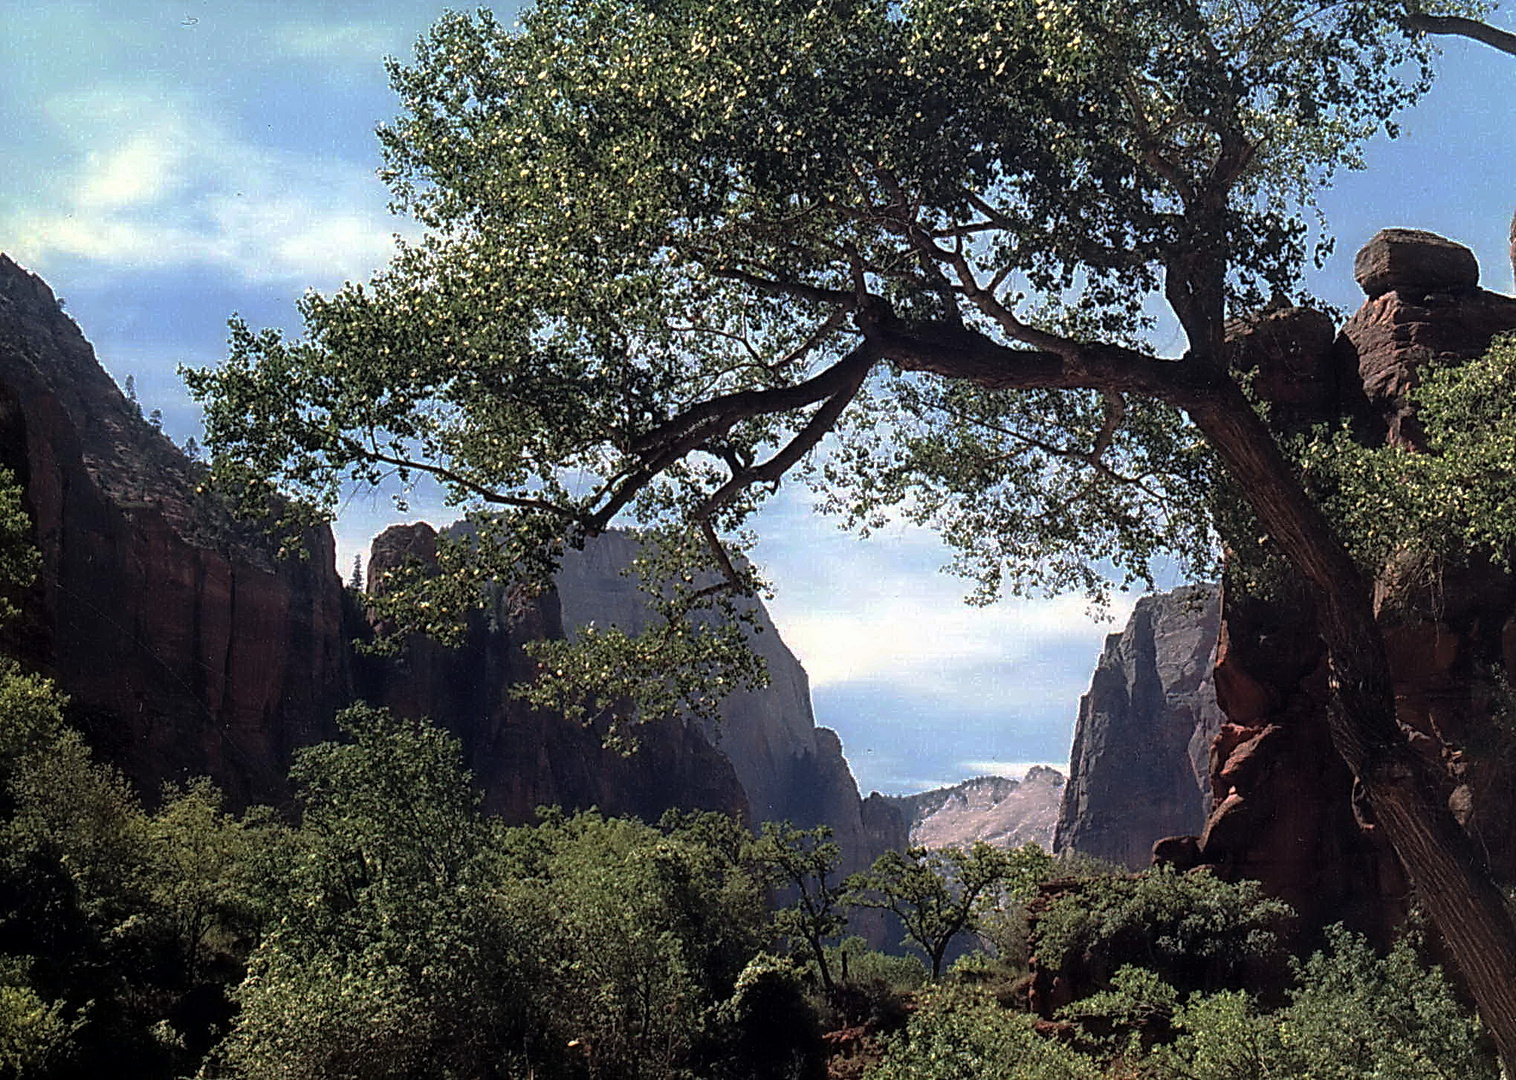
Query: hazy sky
[165,165]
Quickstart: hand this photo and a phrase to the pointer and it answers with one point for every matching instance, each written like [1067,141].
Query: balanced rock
[1412,260]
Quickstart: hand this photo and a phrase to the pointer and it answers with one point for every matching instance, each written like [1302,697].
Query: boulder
[1413,261]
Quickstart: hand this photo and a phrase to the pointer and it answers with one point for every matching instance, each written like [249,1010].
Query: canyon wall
[186,645]
[1276,803]
[994,809]
[1139,767]
[189,647]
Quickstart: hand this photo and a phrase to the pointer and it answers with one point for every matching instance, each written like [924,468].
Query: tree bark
[1465,906]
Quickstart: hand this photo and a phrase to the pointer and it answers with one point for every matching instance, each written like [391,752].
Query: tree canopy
[661,266]
[672,247]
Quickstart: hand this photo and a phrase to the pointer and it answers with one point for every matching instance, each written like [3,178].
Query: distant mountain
[995,809]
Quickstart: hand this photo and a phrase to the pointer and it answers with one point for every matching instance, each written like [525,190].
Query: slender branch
[770,471]
[443,473]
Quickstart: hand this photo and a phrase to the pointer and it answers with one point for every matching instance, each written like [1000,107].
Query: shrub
[961,1034]
[1196,931]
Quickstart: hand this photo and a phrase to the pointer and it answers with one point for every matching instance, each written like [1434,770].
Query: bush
[1196,931]
[1352,1014]
[961,1034]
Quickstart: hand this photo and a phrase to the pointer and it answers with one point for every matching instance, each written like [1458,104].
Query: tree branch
[1458,26]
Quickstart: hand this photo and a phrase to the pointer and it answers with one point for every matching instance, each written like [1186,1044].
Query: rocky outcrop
[790,769]
[1284,810]
[1149,714]
[187,646]
[1425,307]
[523,758]
[994,809]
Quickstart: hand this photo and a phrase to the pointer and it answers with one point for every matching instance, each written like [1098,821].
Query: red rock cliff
[187,647]
[1284,810]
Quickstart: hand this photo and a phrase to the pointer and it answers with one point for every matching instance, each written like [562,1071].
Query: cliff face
[1284,810]
[994,809]
[789,768]
[1274,801]
[187,647]
[1151,707]
[523,758]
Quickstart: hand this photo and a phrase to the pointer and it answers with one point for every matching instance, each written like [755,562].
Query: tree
[387,941]
[659,270]
[935,893]
[799,861]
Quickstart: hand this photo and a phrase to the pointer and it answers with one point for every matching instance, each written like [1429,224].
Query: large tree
[676,250]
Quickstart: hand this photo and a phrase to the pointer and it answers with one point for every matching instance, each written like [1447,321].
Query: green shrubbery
[1349,1014]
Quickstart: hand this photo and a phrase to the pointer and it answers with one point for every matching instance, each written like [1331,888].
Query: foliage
[1403,508]
[961,1034]
[1193,929]
[659,269]
[647,935]
[18,558]
[856,963]
[767,1028]
[937,893]
[388,937]
[119,929]
[1352,1014]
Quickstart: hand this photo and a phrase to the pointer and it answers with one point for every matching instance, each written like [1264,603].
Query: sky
[166,165]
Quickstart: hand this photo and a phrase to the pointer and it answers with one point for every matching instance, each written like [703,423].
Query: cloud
[927,642]
[363,43]
[1014,770]
[156,183]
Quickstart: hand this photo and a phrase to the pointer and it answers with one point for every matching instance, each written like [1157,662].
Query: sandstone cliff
[994,809]
[1138,770]
[523,758]
[189,648]
[186,645]
[1273,799]
[1284,810]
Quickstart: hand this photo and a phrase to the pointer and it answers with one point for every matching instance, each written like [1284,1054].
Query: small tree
[935,893]
[802,860]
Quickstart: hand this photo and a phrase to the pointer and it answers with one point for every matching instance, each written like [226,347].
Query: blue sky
[166,165]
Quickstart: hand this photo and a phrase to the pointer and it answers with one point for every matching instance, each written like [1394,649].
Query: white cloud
[1014,770]
[159,184]
[928,639]
[363,43]
[140,171]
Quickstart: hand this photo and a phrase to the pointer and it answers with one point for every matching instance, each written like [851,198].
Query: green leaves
[938,894]
[671,248]
[1406,512]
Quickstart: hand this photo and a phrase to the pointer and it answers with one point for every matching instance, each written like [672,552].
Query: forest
[914,255]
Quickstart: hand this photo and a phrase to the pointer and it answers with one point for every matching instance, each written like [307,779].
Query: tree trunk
[1466,907]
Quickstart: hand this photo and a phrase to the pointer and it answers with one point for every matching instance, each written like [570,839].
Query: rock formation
[190,648]
[1284,810]
[186,645]
[1138,770]
[524,758]
[790,768]
[995,809]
